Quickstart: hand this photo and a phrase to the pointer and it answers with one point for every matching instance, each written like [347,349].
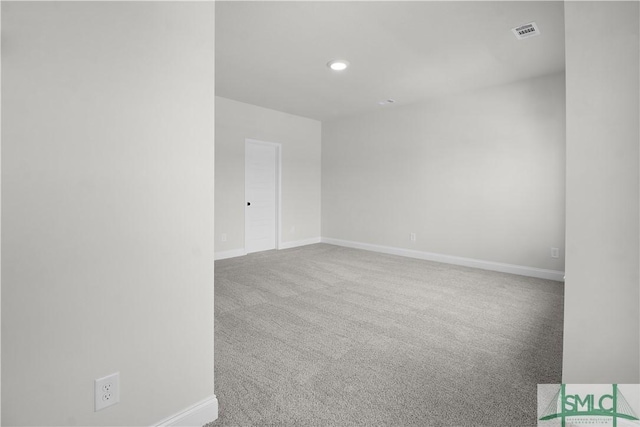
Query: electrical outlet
[413,237]
[107,391]
[223,237]
[555,253]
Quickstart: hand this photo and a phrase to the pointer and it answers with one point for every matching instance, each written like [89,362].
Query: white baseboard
[229,254]
[295,244]
[196,415]
[450,259]
[286,245]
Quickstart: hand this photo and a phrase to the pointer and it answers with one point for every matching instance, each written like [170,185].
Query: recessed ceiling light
[338,64]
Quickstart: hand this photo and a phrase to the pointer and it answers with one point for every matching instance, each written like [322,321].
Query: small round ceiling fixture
[338,64]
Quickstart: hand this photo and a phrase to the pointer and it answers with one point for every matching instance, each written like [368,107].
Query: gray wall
[479,175]
[601,334]
[300,140]
[107,209]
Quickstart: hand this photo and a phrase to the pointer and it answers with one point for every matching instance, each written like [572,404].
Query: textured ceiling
[274,54]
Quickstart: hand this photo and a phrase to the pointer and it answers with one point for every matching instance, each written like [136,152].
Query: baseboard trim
[297,243]
[229,254]
[450,259]
[286,245]
[196,415]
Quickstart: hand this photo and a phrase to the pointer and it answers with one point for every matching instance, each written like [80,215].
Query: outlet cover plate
[107,391]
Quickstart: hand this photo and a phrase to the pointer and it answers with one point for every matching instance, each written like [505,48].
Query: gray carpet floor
[328,336]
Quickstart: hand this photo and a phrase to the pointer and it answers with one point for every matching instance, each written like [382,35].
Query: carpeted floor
[328,336]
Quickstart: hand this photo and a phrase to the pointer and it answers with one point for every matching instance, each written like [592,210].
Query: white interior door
[261,196]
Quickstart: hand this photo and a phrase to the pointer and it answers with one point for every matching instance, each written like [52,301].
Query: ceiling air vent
[525,31]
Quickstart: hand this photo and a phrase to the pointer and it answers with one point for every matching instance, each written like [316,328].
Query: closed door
[261,183]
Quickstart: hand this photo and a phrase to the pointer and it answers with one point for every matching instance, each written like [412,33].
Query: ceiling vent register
[526,31]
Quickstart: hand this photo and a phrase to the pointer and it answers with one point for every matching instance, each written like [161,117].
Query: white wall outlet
[413,237]
[223,237]
[107,391]
[555,253]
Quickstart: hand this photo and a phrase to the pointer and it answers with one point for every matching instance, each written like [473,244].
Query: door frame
[278,148]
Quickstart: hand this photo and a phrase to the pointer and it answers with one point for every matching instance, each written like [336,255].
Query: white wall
[300,140]
[478,175]
[107,209]
[602,323]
